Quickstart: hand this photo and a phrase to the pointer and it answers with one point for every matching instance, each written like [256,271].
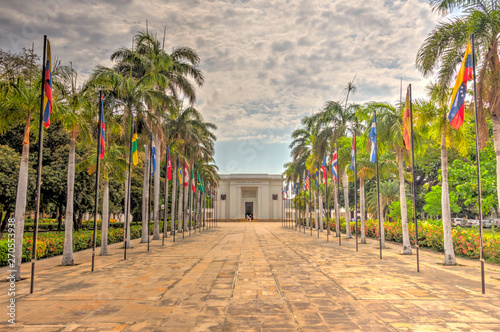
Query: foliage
[430,235]
[433,202]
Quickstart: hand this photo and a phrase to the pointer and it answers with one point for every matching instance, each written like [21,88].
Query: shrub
[430,234]
[52,244]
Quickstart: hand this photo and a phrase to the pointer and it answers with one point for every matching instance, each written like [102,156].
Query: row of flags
[455,117]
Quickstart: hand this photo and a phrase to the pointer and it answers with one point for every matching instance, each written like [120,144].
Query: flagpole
[355,190]
[149,188]
[413,183]
[39,171]
[129,182]
[97,180]
[378,188]
[327,207]
[318,215]
[310,207]
[478,165]
[338,191]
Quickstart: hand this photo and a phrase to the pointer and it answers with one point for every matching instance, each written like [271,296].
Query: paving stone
[257,277]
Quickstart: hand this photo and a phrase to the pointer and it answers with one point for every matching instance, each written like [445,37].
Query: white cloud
[267,63]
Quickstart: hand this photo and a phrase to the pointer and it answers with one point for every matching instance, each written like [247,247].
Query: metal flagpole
[150,185]
[96,202]
[310,207]
[318,215]
[478,162]
[378,189]
[414,190]
[39,171]
[338,193]
[182,203]
[327,207]
[355,190]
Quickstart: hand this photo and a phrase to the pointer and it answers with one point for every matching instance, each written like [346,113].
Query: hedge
[52,244]
[465,242]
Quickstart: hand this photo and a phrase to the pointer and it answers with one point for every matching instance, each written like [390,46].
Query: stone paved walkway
[257,277]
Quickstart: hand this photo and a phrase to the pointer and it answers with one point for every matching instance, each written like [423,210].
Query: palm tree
[75,119]
[390,136]
[22,106]
[443,50]
[430,119]
[113,165]
[365,170]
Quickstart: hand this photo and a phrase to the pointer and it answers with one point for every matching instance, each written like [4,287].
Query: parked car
[487,223]
[457,222]
[495,223]
[472,223]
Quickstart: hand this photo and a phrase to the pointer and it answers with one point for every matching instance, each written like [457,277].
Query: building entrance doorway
[248,209]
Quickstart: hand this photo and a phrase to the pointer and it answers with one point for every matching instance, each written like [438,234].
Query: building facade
[256,194]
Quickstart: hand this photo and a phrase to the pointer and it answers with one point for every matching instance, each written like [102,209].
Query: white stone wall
[256,188]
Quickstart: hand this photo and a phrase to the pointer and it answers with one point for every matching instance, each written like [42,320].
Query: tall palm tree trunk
[156,203]
[105,219]
[321,212]
[180,209]
[337,206]
[67,258]
[22,189]
[496,143]
[174,196]
[362,208]
[404,209]
[165,216]
[126,226]
[449,253]
[316,215]
[382,218]
[191,198]
[145,198]
[186,201]
[345,184]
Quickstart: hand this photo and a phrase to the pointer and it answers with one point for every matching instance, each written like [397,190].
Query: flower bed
[52,244]
[465,242]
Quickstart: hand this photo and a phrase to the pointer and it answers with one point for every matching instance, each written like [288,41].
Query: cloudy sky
[267,63]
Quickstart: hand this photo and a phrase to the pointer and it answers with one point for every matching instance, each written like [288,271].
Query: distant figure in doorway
[251,217]
[247,216]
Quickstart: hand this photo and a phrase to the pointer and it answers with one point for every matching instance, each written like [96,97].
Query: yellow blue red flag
[457,106]
[47,86]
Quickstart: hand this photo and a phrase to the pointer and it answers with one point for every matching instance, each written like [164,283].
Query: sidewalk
[259,277]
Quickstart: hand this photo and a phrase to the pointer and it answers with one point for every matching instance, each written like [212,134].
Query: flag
[103,129]
[406,120]
[307,181]
[47,87]
[153,154]
[304,184]
[186,174]
[179,171]
[297,186]
[373,138]
[457,106]
[198,183]
[135,158]
[193,182]
[353,151]
[334,165]
[317,176]
[169,166]
[323,169]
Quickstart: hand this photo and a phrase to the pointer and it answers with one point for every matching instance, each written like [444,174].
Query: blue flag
[153,154]
[373,138]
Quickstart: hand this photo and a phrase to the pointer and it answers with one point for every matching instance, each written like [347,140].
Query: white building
[257,194]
